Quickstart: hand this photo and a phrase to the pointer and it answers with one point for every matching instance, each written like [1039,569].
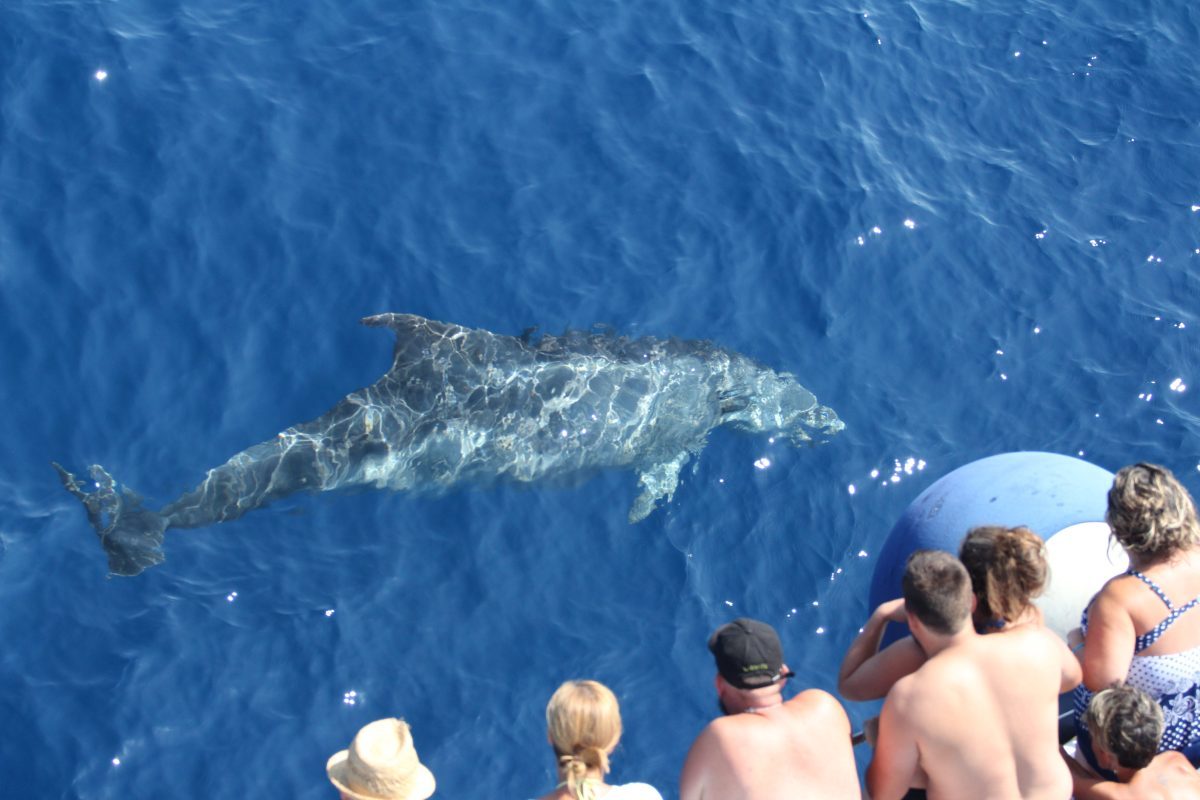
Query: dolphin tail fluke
[130,535]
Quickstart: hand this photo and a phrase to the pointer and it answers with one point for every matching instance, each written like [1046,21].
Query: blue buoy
[1051,494]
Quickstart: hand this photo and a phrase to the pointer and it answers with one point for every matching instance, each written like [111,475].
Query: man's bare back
[765,748]
[986,716]
[800,748]
[979,718]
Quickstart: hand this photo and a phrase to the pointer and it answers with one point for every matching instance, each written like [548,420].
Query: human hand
[892,610]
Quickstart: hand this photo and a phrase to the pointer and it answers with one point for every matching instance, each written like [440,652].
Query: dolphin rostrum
[470,405]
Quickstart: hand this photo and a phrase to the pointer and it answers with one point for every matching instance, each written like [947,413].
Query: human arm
[895,764]
[693,778]
[1075,642]
[1108,646]
[1071,670]
[867,672]
[1088,786]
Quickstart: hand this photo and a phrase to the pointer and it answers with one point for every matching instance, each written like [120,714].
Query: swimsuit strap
[1150,637]
[1154,587]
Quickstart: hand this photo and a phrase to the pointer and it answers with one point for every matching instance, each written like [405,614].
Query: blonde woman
[1143,628]
[583,724]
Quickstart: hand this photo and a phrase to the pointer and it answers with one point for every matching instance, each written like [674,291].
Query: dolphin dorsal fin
[407,324]
[414,334]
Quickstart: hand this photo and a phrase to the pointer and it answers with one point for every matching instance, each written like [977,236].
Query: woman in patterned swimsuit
[1141,627]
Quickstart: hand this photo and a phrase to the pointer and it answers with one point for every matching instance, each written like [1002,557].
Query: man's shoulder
[952,671]
[811,707]
[815,702]
[1174,760]
[913,689]
[1170,770]
[722,728]
[1028,645]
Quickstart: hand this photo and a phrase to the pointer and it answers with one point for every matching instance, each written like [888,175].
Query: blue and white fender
[1062,499]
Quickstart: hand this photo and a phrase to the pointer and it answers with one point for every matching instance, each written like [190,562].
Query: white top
[632,791]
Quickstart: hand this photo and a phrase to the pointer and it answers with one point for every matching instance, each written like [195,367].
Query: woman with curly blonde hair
[583,724]
[1142,627]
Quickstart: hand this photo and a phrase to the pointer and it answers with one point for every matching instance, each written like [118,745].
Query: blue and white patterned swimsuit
[1173,680]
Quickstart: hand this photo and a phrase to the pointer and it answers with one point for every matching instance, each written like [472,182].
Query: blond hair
[1150,512]
[1008,569]
[584,723]
[1126,722]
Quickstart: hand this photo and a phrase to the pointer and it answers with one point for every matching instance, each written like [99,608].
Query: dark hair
[1126,722]
[1007,567]
[937,590]
[1150,512]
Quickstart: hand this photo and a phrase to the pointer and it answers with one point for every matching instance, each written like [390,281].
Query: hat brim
[423,785]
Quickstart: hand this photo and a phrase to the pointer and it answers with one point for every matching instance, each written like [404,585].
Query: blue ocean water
[967,227]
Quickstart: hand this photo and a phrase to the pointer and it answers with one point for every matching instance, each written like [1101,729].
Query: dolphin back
[468,405]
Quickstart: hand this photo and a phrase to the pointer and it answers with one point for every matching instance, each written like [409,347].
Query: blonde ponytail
[584,723]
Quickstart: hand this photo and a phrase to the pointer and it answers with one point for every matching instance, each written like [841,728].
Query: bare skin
[978,719]
[867,673]
[765,748]
[1126,608]
[1170,776]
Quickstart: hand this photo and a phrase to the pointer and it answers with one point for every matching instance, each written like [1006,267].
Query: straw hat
[381,764]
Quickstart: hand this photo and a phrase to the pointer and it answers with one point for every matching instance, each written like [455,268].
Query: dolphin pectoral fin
[130,535]
[659,481]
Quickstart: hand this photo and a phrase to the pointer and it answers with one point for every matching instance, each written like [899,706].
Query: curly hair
[1008,569]
[1126,722]
[1150,512]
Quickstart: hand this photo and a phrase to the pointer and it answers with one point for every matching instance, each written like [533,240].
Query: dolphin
[461,405]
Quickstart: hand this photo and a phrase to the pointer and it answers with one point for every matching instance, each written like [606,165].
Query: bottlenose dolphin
[470,405]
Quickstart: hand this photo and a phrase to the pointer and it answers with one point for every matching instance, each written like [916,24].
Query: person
[1008,570]
[765,748]
[1127,726]
[979,718]
[1140,628]
[583,723]
[381,764]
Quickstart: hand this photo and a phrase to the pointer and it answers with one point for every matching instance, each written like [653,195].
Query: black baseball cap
[748,653]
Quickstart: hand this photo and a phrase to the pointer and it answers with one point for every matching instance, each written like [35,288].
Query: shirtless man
[979,718]
[765,748]
[1127,725]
